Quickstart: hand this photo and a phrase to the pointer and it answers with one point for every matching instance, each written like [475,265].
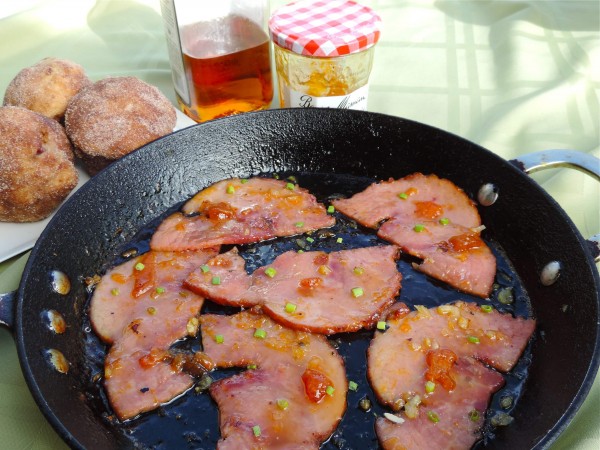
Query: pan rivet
[550,273]
[60,282]
[488,194]
[57,360]
[56,322]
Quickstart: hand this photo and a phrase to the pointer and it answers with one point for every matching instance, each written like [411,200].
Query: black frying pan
[91,230]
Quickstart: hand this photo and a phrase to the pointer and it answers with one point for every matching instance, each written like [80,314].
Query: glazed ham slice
[432,219]
[293,394]
[236,211]
[430,362]
[313,291]
[141,308]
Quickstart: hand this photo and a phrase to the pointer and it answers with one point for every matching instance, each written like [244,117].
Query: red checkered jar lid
[325,28]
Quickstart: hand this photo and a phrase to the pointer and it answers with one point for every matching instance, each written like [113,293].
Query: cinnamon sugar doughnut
[46,87]
[36,165]
[115,116]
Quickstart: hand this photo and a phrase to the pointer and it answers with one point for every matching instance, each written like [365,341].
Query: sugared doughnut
[46,87]
[36,165]
[115,116]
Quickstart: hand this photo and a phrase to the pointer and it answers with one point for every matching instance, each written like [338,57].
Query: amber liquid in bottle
[228,68]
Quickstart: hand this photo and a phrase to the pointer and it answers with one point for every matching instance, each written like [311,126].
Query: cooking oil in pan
[192,420]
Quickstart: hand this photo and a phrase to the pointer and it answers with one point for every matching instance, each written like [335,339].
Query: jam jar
[324,53]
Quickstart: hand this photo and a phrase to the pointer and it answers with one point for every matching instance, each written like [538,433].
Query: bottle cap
[325,28]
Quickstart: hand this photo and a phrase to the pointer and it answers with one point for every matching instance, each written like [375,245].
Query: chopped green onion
[429,387]
[290,186]
[160,290]
[251,366]
[474,415]
[151,310]
[300,251]
[292,178]
[352,386]
[230,189]
[419,227]
[487,308]
[270,272]
[309,239]
[339,240]
[473,339]
[299,224]
[256,430]
[403,195]
[359,270]
[283,404]
[433,416]
[216,281]
[276,176]
[444,221]
[357,292]
[329,390]
[381,325]
[219,338]
[260,333]
[205,268]
[290,308]
[330,209]
[114,291]
[244,180]
[139,266]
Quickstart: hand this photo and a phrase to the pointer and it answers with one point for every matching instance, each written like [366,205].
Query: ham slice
[236,211]
[278,402]
[313,291]
[445,346]
[432,219]
[141,308]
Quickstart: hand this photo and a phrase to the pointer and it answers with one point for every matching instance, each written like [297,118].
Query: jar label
[353,100]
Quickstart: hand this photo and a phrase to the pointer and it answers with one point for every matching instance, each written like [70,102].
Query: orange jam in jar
[324,53]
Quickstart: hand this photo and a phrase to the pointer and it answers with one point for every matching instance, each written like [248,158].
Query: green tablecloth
[512,76]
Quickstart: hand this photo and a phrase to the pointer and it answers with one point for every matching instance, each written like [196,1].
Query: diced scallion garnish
[299,224]
[283,404]
[160,290]
[251,366]
[444,221]
[330,209]
[290,186]
[260,333]
[230,189]
[353,386]
[309,239]
[219,338]
[139,266]
[151,310]
[216,281]
[419,227]
[270,272]
[357,292]
[329,390]
[429,387]
[487,308]
[474,415]
[256,430]
[205,268]
[290,308]
[473,339]
[244,180]
[402,195]
[339,240]
[359,270]
[432,415]
[114,291]
[381,325]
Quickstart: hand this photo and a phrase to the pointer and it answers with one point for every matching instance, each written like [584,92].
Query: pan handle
[546,159]
[7,309]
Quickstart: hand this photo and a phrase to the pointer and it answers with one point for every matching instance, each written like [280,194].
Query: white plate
[16,238]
